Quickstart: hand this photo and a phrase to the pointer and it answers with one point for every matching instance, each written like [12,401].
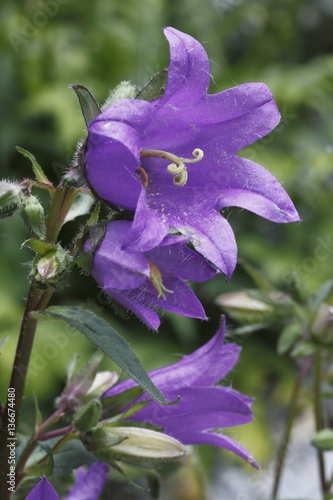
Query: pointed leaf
[40,176]
[289,336]
[116,404]
[89,106]
[154,87]
[103,336]
[321,294]
[256,276]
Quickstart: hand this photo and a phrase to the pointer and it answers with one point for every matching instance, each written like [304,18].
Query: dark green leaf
[154,484]
[81,206]
[89,106]
[154,87]
[71,456]
[103,336]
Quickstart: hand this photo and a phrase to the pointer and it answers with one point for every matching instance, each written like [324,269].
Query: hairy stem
[36,300]
[288,426]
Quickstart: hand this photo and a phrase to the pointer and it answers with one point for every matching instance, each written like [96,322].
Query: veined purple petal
[117,268]
[43,491]
[189,72]
[224,442]
[90,484]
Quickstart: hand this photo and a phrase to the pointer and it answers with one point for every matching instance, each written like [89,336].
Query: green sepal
[50,261]
[125,90]
[76,174]
[88,415]
[323,440]
[40,176]
[89,106]
[99,440]
[32,213]
[114,405]
[289,336]
[11,198]
[154,88]
[305,349]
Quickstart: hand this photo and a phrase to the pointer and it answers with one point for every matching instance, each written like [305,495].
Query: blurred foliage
[46,45]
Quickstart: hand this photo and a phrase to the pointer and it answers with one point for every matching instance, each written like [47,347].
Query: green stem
[319,419]
[60,203]
[36,300]
[288,426]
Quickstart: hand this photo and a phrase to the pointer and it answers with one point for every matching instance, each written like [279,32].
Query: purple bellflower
[141,266]
[88,485]
[203,406]
[181,150]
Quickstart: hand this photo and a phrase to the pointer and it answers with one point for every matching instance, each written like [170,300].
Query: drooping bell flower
[204,408]
[141,266]
[88,485]
[181,150]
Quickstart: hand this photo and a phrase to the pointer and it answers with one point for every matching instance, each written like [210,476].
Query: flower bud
[323,440]
[11,197]
[47,267]
[33,216]
[138,444]
[125,90]
[88,415]
[243,307]
[102,382]
[322,328]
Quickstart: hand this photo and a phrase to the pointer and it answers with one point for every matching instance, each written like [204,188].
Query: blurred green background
[46,45]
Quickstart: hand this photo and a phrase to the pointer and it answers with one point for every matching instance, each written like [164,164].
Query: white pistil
[177,167]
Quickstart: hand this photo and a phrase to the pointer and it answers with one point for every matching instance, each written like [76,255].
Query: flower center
[156,280]
[177,168]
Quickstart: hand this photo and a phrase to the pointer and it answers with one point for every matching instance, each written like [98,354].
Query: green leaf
[40,176]
[323,291]
[256,276]
[88,415]
[289,335]
[304,349]
[323,440]
[103,336]
[153,480]
[154,87]
[89,106]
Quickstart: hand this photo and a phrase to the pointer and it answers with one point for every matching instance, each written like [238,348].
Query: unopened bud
[125,90]
[11,198]
[47,267]
[33,216]
[322,328]
[140,444]
[323,440]
[102,382]
[243,307]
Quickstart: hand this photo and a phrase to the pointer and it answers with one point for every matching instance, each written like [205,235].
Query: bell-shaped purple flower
[136,146]
[141,266]
[203,407]
[88,485]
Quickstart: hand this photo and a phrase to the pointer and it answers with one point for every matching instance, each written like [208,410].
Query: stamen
[178,167]
[145,176]
[156,280]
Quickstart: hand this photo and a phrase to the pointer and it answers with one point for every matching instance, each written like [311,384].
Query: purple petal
[188,73]
[131,301]
[89,485]
[43,491]
[147,230]
[250,186]
[181,261]
[224,442]
[114,267]
[205,366]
